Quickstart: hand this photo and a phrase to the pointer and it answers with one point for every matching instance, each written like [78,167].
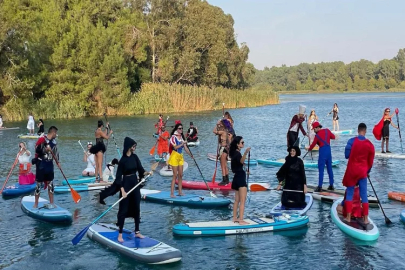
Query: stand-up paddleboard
[164,159]
[26,136]
[165,171]
[18,189]
[193,143]
[83,187]
[227,227]
[330,196]
[213,157]
[344,132]
[389,155]
[398,196]
[10,128]
[402,215]
[45,211]
[316,148]
[280,162]
[214,186]
[190,200]
[356,229]
[80,180]
[280,209]
[146,250]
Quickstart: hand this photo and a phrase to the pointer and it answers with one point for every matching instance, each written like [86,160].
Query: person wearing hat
[292,173]
[192,133]
[41,127]
[296,123]
[322,138]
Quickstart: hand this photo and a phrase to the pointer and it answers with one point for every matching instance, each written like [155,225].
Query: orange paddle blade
[152,150]
[75,195]
[154,166]
[257,187]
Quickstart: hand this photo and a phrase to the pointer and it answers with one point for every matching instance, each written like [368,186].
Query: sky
[291,32]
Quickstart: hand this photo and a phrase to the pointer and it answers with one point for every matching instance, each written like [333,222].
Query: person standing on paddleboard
[387,120]
[99,148]
[159,125]
[322,138]
[31,124]
[239,179]
[311,119]
[176,160]
[224,138]
[292,173]
[335,117]
[296,123]
[360,152]
[163,142]
[192,133]
[130,207]
[227,116]
[91,163]
[44,164]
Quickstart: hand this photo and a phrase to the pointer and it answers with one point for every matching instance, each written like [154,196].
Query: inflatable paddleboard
[356,229]
[6,128]
[193,143]
[169,172]
[190,200]
[227,227]
[344,132]
[316,148]
[26,136]
[84,187]
[280,162]
[398,196]
[80,180]
[157,158]
[155,135]
[389,155]
[214,186]
[44,211]
[146,250]
[18,189]
[280,209]
[213,157]
[402,215]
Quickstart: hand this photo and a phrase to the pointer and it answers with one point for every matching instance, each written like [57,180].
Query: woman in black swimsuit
[99,148]
[335,117]
[386,130]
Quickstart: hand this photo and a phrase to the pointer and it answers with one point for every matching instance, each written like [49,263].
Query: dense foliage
[86,56]
[358,75]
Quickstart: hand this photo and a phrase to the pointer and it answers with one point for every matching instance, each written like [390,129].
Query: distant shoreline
[393,90]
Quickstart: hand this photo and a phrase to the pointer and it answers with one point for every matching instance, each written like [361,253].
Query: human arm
[141,170]
[188,150]
[392,124]
[348,148]
[85,157]
[300,121]
[105,134]
[332,136]
[281,174]
[315,141]
[242,160]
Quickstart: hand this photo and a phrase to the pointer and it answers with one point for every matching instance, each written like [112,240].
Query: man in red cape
[360,152]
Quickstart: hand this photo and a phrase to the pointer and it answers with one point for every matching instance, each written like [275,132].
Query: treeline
[89,56]
[358,75]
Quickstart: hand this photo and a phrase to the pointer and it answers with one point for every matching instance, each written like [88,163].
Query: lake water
[30,244]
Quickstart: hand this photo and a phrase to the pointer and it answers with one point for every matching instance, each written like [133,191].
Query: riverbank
[153,98]
[302,92]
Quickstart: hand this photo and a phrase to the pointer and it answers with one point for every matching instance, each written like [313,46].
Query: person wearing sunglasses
[176,160]
[386,130]
[91,163]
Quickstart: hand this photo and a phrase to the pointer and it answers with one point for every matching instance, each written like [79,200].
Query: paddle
[198,167]
[80,235]
[216,162]
[152,150]
[387,220]
[257,187]
[399,129]
[86,154]
[76,197]
[154,165]
[112,134]
[247,179]
[12,168]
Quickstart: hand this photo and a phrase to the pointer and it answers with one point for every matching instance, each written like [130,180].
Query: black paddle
[387,220]
[112,134]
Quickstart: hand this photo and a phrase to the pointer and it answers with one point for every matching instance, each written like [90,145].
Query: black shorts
[42,176]
[239,180]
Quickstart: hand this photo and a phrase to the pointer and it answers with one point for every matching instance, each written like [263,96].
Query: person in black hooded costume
[293,173]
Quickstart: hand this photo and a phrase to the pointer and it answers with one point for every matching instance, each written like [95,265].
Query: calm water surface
[30,244]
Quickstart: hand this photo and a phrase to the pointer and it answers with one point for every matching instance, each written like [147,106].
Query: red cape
[377,130]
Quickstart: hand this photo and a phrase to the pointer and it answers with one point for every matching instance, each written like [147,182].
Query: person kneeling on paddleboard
[127,179]
[26,177]
[293,174]
[360,152]
[322,138]
[192,133]
[239,179]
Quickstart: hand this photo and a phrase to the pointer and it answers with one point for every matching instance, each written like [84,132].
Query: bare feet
[366,221]
[242,222]
[235,220]
[347,220]
[35,206]
[172,195]
[120,239]
[139,235]
[181,194]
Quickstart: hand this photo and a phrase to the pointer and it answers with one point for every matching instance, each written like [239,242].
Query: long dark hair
[234,145]
[175,128]
[100,123]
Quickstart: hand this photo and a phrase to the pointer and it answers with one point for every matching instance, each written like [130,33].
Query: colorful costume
[163,145]
[44,163]
[176,155]
[360,152]
[292,134]
[322,138]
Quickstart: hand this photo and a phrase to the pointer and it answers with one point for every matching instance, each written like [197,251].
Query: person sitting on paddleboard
[296,123]
[192,133]
[109,170]
[239,179]
[44,164]
[41,127]
[130,207]
[91,163]
[163,142]
[176,160]
[292,173]
[360,152]
[26,177]
[311,119]
[224,139]
[387,119]
[322,138]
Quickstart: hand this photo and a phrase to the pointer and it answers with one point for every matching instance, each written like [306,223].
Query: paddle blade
[80,235]
[154,166]
[75,195]
[152,150]
[256,187]
[387,221]
[214,176]
[396,111]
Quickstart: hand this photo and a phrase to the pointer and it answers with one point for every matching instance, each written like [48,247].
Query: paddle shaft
[387,220]
[8,176]
[86,154]
[112,134]
[399,130]
[198,167]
